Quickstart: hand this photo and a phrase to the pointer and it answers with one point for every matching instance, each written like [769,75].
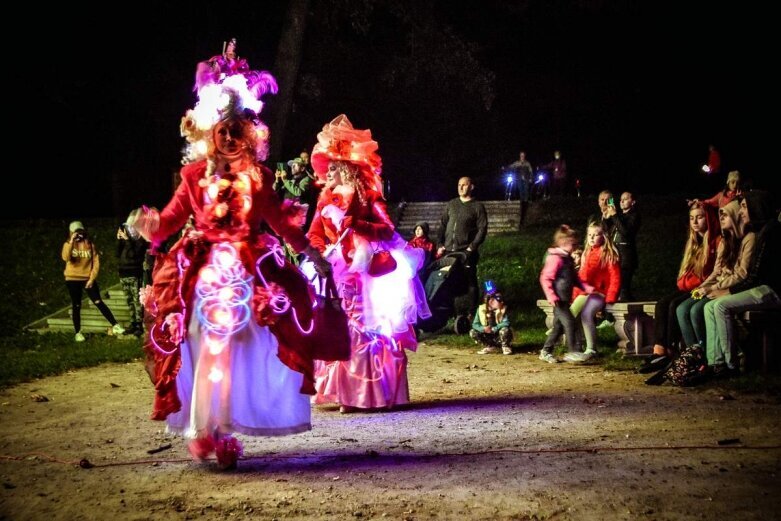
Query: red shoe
[228,449]
[200,448]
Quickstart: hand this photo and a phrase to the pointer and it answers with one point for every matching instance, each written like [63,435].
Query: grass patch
[31,355]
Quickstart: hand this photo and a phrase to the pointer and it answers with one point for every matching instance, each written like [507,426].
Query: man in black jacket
[626,224]
[464,226]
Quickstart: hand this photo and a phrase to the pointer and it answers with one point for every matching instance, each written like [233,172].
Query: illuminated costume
[351,225]
[221,293]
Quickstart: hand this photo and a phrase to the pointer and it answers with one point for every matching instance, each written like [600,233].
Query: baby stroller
[447,293]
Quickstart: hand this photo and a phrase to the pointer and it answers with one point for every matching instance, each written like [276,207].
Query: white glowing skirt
[252,392]
[391,302]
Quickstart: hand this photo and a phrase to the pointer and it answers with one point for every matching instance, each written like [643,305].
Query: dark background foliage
[631,92]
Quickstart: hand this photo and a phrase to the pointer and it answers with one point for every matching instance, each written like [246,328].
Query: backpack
[689,368]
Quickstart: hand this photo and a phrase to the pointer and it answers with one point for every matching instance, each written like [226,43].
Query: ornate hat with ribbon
[339,141]
[226,87]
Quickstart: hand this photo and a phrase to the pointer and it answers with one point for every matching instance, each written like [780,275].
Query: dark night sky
[631,92]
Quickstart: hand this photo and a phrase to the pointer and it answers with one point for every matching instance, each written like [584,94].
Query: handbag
[381,263]
[330,336]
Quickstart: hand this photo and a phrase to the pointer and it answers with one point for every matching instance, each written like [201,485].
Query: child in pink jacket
[558,278]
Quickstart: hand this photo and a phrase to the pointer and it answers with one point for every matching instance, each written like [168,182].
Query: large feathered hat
[226,87]
[339,141]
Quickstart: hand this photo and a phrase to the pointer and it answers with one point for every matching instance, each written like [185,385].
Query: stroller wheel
[461,325]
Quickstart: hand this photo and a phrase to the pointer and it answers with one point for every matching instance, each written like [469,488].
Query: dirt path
[488,437]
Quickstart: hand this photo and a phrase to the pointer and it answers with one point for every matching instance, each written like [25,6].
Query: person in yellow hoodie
[82,264]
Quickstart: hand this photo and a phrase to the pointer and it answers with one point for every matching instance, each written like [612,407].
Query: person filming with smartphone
[82,264]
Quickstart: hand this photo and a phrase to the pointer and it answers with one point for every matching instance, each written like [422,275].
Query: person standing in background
[626,225]
[82,264]
[713,166]
[464,226]
[131,253]
[558,172]
[525,177]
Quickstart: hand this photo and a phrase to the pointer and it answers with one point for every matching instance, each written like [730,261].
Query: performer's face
[333,177]
[229,137]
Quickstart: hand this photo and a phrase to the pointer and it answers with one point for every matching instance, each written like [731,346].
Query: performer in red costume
[374,269]
[223,296]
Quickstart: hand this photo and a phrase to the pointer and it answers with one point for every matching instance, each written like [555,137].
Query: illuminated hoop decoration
[279,301]
[182,263]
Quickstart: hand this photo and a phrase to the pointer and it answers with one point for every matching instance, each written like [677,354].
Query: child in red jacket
[600,268]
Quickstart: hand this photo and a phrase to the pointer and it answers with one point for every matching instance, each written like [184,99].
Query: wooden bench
[634,325]
[766,325]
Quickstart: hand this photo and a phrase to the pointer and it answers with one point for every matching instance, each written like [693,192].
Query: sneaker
[546,356]
[488,351]
[79,337]
[507,350]
[117,329]
[575,357]
[605,324]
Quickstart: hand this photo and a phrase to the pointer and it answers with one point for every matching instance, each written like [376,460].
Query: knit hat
[75,225]
[424,226]
[296,161]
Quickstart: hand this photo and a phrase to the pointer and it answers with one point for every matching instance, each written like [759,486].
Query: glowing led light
[215,375]
[225,258]
[208,274]
[215,344]
[212,191]
[225,294]
[223,183]
[222,317]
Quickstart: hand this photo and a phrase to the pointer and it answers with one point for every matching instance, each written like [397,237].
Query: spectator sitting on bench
[732,258]
[761,289]
[599,268]
[699,256]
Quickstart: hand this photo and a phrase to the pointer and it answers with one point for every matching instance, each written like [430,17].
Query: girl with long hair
[601,269]
[699,257]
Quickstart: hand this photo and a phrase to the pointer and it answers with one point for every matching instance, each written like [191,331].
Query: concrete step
[87,325]
[92,321]
[503,216]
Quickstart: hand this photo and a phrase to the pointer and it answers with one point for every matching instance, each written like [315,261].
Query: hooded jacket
[725,276]
[763,269]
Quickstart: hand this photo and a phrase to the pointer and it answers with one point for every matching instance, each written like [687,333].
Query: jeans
[75,289]
[563,323]
[722,347]
[691,319]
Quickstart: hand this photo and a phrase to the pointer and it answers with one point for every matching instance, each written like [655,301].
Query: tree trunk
[288,60]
